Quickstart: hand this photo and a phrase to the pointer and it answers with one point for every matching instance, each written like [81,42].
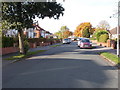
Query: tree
[58,34]
[64,32]
[21,14]
[86,32]
[103,25]
[67,33]
[83,26]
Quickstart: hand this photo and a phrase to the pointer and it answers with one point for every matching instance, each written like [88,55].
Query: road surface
[66,66]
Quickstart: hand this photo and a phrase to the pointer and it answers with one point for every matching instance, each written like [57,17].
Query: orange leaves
[67,33]
[79,29]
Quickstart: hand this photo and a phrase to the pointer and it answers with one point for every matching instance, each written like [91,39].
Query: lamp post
[118,30]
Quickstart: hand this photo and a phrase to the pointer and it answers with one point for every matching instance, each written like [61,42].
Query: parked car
[85,43]
[79,40]
[66,41]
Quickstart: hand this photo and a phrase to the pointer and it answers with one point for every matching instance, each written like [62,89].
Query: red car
[85,43]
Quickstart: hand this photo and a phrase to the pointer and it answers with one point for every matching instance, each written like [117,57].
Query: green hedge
[99,33]
[7,41]
[38,40]
[103,38]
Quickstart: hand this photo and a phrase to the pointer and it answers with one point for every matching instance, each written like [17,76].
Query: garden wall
[109,43]
[8,50]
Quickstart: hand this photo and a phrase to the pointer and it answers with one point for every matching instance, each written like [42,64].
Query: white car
[79,41]
[66,41]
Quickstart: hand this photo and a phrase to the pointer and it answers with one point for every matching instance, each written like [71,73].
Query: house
[36,32]
[29,32]
[113,33]
[10,33]
[47,34]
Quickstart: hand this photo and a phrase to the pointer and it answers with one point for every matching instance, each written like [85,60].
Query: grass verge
[54,45]
[20,56]
[111,57]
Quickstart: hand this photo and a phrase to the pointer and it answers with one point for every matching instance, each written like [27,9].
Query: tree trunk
[21,45]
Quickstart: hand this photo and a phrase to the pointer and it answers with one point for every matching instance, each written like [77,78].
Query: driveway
[65,66]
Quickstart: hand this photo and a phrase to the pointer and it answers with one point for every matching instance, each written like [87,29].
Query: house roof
[114,30]
[41,29]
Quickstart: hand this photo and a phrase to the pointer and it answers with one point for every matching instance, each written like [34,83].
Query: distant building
[10,33]
[113,33]
[36,32]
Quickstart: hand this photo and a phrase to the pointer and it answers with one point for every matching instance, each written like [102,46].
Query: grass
[93,47]
[54,45]
[20,56]
[111,57]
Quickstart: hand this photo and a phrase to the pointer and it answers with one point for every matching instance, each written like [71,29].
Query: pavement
[6,62]
[107,49]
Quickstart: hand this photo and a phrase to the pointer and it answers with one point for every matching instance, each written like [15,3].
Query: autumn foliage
[79,32]
[67,33]
[64,32]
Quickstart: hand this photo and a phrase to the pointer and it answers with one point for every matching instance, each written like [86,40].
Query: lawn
[54,45]
[20,56]
[111,57]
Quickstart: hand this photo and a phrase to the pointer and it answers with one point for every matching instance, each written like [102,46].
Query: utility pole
[118,31]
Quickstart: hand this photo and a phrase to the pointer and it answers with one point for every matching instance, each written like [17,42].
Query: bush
[103,38]
[99,33]
[92,38]
[26,46]
[7,41]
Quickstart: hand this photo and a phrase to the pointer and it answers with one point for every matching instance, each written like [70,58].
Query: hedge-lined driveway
[65,66]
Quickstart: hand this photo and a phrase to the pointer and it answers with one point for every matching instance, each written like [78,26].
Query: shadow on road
[59,73]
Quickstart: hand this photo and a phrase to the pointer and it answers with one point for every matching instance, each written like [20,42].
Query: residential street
[65,66]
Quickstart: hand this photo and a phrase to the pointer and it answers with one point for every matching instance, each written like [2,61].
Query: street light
[118,30]
[118,53]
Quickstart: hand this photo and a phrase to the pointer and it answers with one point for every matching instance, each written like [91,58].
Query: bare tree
[103,25]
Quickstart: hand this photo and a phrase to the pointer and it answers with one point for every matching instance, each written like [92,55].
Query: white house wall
[30,33]
[42,33]
[12,32]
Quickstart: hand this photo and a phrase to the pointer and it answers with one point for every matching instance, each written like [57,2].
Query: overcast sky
[78,11]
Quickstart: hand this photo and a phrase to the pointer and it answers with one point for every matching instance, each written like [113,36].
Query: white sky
[78,11]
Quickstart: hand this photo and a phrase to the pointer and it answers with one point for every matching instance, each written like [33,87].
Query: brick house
[36,32]
[113,33]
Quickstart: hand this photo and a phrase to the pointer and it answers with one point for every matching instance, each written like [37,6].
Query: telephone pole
[118,31]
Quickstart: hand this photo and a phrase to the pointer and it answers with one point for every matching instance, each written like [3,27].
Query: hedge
[7,41]
[103,38]
[99,33]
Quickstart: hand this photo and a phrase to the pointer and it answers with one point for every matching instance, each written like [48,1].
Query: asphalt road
[65,66]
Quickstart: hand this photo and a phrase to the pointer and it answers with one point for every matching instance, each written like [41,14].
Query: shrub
[7,41]
[99,33]
[103,38]
[92,38]
[26,46]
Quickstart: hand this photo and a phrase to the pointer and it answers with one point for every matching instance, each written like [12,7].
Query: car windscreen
[85,40]
[65,39]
